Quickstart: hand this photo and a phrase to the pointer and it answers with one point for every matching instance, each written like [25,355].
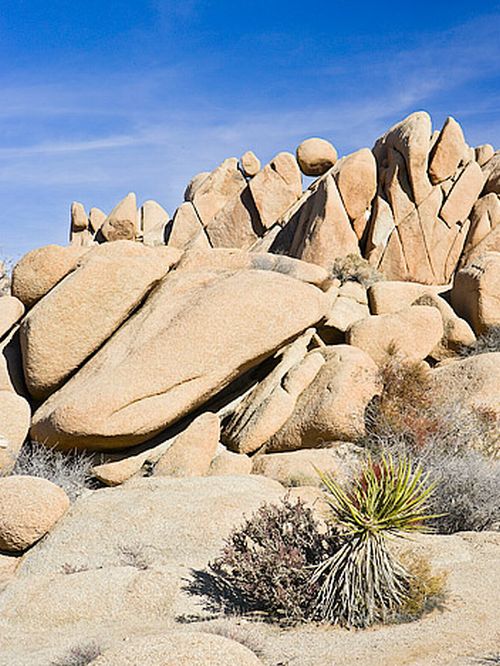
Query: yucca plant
[362,582]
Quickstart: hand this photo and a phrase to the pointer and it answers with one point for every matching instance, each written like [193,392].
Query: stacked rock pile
[209,342]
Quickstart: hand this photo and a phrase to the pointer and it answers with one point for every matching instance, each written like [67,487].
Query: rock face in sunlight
[192,368]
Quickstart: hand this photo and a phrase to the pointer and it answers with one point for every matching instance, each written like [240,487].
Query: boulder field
[224,353]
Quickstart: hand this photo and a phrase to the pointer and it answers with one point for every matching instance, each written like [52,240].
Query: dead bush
[355,269]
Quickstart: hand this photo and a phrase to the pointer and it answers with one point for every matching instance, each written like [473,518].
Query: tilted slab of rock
[267,196]
[463,195]
[484,218]
[194,184]
[216,189]
[491,171]
[356,177]
[448,151]
[193,451]
[411,138]
[227,463]
[414,330]
[122,223]
[153,219]
[185,229]
[97,217]
[332,407]
[484,153]
[237,260]
[323,230]
[197,332]
[475,295]
[40,270]
[265,409]
[84,310]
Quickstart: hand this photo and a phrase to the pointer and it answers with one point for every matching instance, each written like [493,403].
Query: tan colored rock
[250,164]
[411,138]
[197,332]
[121,223]
[180,648]
[356,177]
[8,566]
[398,187]
[463,195]
[192,451]
[116,472]
[11,311]
[29,508]
[40,270]
[185,230]
[316,156]
[11,365]
[15,418]
[237,260]
[475,294]
[275,188]
[324,231]
[83,238]
[217,189]
[194,184]
[299,468]
[354,290]
[484,153]
[380,227]
[448,151]
[266,409]
[490,243]
[228,463]
[492,172]
[344,312]
[332,408]
[388,296]
[267,196]
[484,218]
[84,310]
[153,219]
[415,331]
[79,219]
[471,382]
[97,218]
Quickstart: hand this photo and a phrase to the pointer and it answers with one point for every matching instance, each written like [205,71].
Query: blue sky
[101,98]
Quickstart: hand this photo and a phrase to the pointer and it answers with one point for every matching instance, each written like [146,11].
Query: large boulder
[84,310]
[415,331]
[448,151]
[15,417]
[492,173]
[133,548]
[40,270]
[29,508]
[196,333]
[332,408]
[356,177]
[475,295]
[471,382]
[315,156]
[215,190]
[180,648]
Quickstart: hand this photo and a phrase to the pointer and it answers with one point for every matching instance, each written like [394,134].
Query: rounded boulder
[29,508]
[315,156]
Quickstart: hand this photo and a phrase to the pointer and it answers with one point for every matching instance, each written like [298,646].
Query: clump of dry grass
[70,471]
[353,268]
[80,655]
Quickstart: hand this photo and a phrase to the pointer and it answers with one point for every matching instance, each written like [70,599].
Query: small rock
[227,463]
[250,164]
[29,508]
[315,156]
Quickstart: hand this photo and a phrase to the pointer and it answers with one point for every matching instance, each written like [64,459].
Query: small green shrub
[265,565]
[363,583]
[485,343]
[355,269]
